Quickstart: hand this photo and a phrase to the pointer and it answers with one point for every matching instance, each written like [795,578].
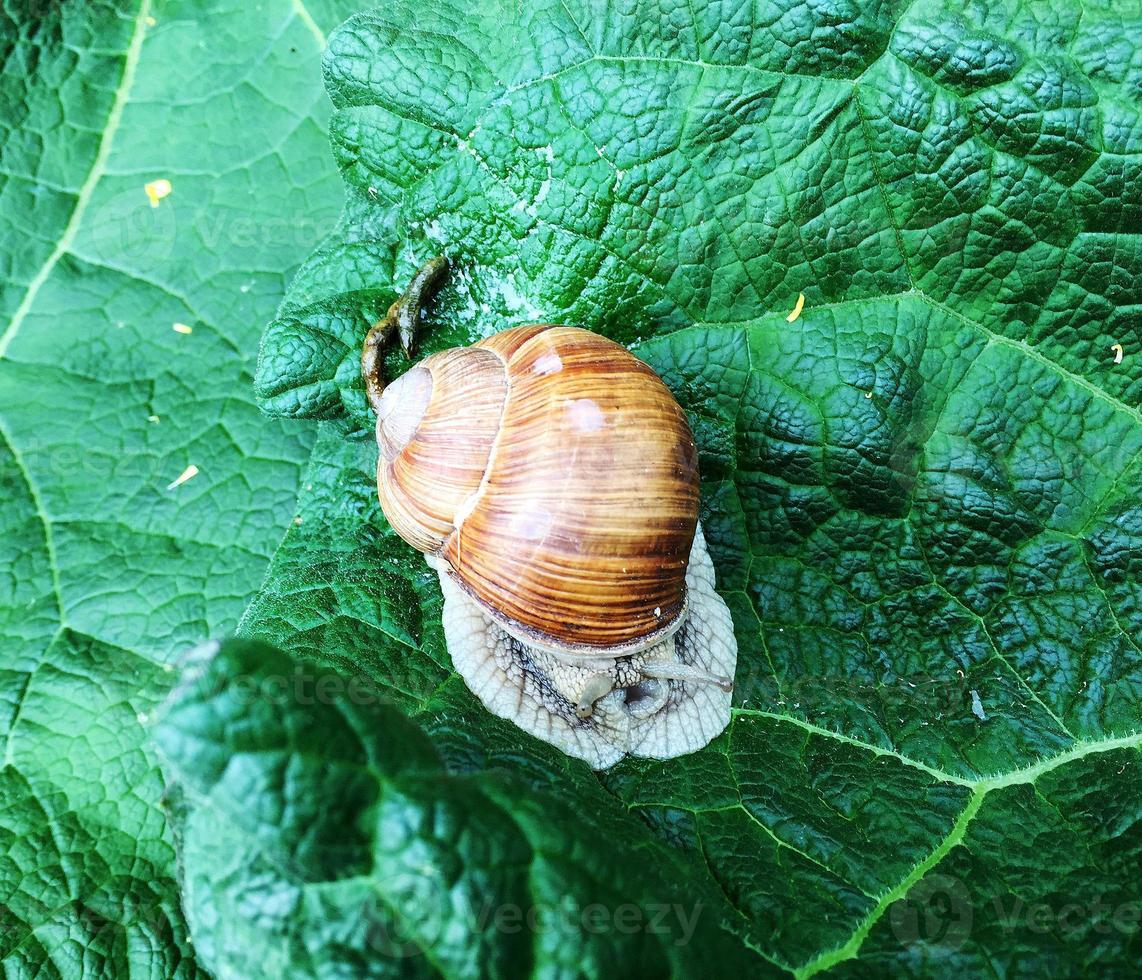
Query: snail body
[551,479]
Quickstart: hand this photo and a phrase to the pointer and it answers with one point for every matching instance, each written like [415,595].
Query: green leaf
[107,572]
[322,834]
[921,495]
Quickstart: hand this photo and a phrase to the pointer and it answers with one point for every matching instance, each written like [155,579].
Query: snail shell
[552,479]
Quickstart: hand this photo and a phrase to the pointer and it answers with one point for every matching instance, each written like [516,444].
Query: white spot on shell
[548,364]
[531,522]
[585,415]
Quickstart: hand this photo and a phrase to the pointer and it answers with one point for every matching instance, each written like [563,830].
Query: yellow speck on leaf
[152,418]
[1117,348]
[797,308]
[156,190]
[151,21]
[181,328]
[188,474]
[297,520]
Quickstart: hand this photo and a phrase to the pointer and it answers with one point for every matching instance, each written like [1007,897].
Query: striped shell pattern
[556,476]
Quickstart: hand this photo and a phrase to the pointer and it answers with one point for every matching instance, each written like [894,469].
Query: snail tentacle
[685,672]
[597,686]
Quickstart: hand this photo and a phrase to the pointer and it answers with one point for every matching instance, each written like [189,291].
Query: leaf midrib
[94,175]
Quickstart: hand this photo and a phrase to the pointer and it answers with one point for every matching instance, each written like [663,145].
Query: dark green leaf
[323,835]
[921,494]
[105,573]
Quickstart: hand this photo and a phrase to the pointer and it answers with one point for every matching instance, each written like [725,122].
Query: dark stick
[404,317]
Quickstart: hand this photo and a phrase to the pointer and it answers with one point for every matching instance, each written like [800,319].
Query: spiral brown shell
[556,476]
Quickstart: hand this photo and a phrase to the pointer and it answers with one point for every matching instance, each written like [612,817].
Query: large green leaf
[323,835]
[922,495]
[105,572]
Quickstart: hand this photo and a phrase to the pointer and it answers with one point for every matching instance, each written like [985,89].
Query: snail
[551,480]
